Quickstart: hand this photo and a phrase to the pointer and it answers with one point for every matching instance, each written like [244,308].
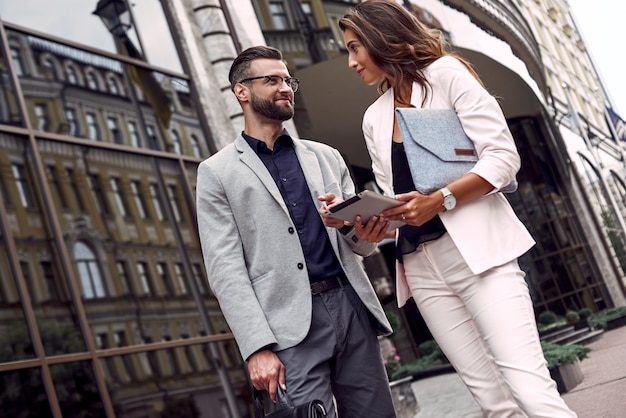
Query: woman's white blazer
[486,230]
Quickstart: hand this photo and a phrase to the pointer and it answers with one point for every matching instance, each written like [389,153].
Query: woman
[458,261]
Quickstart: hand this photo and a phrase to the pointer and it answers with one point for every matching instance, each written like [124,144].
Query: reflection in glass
[77,390]
[23,394]
[169,383]
[88,272]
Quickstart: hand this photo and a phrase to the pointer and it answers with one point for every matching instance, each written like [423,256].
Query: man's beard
[269,109]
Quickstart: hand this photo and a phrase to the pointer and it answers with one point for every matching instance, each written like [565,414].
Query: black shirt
[410,237]
[284,167]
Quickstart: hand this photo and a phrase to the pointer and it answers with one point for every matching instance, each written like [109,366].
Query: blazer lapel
[252,160]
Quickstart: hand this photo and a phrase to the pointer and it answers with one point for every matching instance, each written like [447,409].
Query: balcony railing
[503,19]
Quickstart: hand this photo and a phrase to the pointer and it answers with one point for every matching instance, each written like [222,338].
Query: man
[300,306]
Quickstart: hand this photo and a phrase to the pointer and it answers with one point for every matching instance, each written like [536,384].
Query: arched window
[195,145]
[92,81]
[114,87]
[178,146]
[88,271]
[70,72]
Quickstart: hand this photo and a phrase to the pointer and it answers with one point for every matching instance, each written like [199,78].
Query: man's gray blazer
[254,261]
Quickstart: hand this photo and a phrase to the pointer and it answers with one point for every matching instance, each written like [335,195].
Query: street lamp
[115,16]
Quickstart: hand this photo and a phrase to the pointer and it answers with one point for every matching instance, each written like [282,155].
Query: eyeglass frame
[268,78]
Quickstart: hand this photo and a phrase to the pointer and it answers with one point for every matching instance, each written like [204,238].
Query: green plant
[392,363]
[547,318]
[556,354]
[585,313]
[599,320]
[394,320]
[431,355]
[572,317]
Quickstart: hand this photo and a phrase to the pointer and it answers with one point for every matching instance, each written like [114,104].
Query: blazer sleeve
[483,121]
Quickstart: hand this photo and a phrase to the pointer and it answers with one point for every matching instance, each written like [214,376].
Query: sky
[601,23]
[603,29]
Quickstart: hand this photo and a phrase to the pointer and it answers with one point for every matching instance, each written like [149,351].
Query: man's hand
[330,200]
[266,372]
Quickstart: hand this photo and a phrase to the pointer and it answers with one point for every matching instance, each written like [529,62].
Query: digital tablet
[366,204]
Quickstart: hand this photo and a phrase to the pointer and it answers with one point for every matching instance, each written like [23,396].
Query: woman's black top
[410,237]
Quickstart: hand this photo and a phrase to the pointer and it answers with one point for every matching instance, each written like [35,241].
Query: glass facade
[104,304]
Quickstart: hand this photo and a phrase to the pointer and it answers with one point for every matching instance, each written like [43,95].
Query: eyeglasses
[276,81]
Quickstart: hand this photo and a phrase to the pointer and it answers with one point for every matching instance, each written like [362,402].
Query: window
[114,87]
[41,112]
[195,145]
[119,196]
[18,64]
[153,139]
[70,73]
[178,146]
[121,341]
[93,129]
[144,279]
[180,278]
[198,275]
[165,278]
[279,15]
[55,187]
[88,272]
[78,197]
[98,196]
[23,188]
[49,63]
[92,81]
[122,273]
[171,195]
[72,122]
[114,129]
[49,280]
[134,135]
[135,187]
[156,201]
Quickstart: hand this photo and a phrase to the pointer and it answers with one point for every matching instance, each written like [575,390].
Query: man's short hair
[240,67]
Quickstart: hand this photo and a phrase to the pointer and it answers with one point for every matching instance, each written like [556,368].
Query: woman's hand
[418,208]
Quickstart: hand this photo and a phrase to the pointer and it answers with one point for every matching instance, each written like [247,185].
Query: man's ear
[241,92]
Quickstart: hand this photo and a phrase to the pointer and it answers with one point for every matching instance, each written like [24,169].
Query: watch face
[449,202]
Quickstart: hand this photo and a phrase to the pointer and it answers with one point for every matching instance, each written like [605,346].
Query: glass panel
[39,261]
[52,18]
[137,382]
[23,394]
[9,110]
[107,110]
[15,341]
[77,390]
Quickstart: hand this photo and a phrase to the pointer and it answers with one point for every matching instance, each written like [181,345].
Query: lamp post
[117,18]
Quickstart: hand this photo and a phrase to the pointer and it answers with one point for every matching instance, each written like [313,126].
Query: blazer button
[300,266]
[291,230]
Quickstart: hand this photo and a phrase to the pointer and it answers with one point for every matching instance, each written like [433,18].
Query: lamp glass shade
[115,15]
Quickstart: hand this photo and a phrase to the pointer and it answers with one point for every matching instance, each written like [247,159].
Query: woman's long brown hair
[398,43]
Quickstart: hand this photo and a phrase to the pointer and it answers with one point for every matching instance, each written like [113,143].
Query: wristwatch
[449,201]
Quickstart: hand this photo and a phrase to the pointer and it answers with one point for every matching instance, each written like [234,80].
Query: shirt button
[291,230]
[284,180]
[300,266]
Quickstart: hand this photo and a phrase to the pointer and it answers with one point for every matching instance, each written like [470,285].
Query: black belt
[327,284]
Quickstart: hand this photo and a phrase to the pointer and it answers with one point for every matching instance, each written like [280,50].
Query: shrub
[585,313]
[599,320]
[572,317]
[556,354]
[394,320]
[547,318]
